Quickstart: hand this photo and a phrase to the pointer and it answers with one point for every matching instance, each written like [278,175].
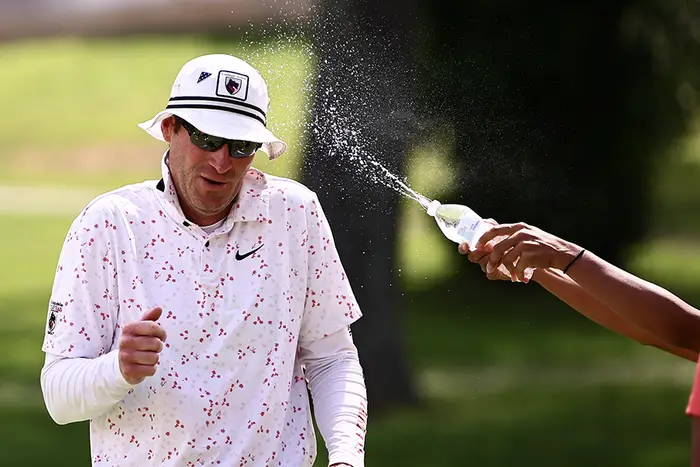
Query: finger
[144,343]
[153,314]
[511,257]
[145,328]
[478,256]
[521,268]
[135,373]
[496,275]
[505,245]
[482,258]
[479,253]
[520,259]
[500,230]
[130,356]
[464,249]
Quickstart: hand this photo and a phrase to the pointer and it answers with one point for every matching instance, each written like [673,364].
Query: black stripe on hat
[216,107]
[218,99]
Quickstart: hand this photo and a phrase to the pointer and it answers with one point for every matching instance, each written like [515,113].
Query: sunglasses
[211,143]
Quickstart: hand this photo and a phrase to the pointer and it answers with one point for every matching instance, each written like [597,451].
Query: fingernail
[489,268]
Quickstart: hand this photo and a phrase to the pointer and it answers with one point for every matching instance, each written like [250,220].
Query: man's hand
[524,247]
[139,346]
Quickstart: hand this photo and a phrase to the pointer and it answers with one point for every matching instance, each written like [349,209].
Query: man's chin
[214,209]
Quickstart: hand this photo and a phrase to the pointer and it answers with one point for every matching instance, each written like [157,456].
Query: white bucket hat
[223,96]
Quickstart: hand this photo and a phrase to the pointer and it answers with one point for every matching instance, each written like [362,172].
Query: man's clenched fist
[139,346]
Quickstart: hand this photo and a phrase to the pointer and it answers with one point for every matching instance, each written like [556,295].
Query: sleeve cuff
[348,459]
[114,377]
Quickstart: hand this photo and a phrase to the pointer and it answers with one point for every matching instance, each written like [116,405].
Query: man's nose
[221,160]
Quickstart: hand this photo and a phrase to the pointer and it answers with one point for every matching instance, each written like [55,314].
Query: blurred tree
[362,106]
[561,109]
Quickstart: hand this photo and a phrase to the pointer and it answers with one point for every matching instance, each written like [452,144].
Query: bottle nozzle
[432,207]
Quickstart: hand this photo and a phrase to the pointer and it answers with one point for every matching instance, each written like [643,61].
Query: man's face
[206,182]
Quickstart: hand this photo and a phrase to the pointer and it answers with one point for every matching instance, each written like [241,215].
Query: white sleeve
[77,389]
[337,386]
[81,377]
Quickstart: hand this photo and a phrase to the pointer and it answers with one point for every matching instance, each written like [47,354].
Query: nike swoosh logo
[240,257]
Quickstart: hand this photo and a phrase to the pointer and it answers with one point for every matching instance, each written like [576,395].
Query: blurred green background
[509,375]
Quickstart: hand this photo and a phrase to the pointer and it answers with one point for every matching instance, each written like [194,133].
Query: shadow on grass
[602,426]
[615,426]
[28,437]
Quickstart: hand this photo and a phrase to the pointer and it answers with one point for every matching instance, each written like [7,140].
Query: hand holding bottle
[482,254]
[521,247]
[465,227]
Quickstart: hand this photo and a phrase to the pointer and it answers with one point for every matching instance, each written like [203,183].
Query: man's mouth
[213,183]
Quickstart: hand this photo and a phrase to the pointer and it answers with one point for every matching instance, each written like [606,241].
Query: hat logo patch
[203,75]
[232,85]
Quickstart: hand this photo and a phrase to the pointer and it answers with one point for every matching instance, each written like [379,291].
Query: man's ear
[167,126]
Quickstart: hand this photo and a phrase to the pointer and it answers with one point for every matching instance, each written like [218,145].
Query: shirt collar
[251,204]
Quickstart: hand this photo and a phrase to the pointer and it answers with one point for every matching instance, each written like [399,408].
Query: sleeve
[83,308]
[330,302]
[337,387]
[77,389]
[693,407]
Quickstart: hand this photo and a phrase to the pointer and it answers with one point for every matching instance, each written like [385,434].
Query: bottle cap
[432,207]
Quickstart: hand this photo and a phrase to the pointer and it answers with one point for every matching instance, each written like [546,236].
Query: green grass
[509,378]
[509,375]
[73,93]
[31,246]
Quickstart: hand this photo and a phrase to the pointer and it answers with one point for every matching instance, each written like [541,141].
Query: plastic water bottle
[458,223]
[462,225]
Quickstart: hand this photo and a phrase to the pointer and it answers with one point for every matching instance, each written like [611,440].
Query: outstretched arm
[601,291]
[571,293]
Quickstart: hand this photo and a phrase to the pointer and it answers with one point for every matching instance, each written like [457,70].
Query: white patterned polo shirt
[237,303]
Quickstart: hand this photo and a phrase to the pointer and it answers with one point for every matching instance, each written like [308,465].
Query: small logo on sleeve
[55,308]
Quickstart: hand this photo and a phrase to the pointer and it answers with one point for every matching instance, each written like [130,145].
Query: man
[599,290]
[189,314]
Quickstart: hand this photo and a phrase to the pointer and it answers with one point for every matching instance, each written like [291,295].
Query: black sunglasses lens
[214,143]
[202,140]
[207,142]
[243,148]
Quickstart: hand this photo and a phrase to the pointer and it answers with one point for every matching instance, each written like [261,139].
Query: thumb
[153,314]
